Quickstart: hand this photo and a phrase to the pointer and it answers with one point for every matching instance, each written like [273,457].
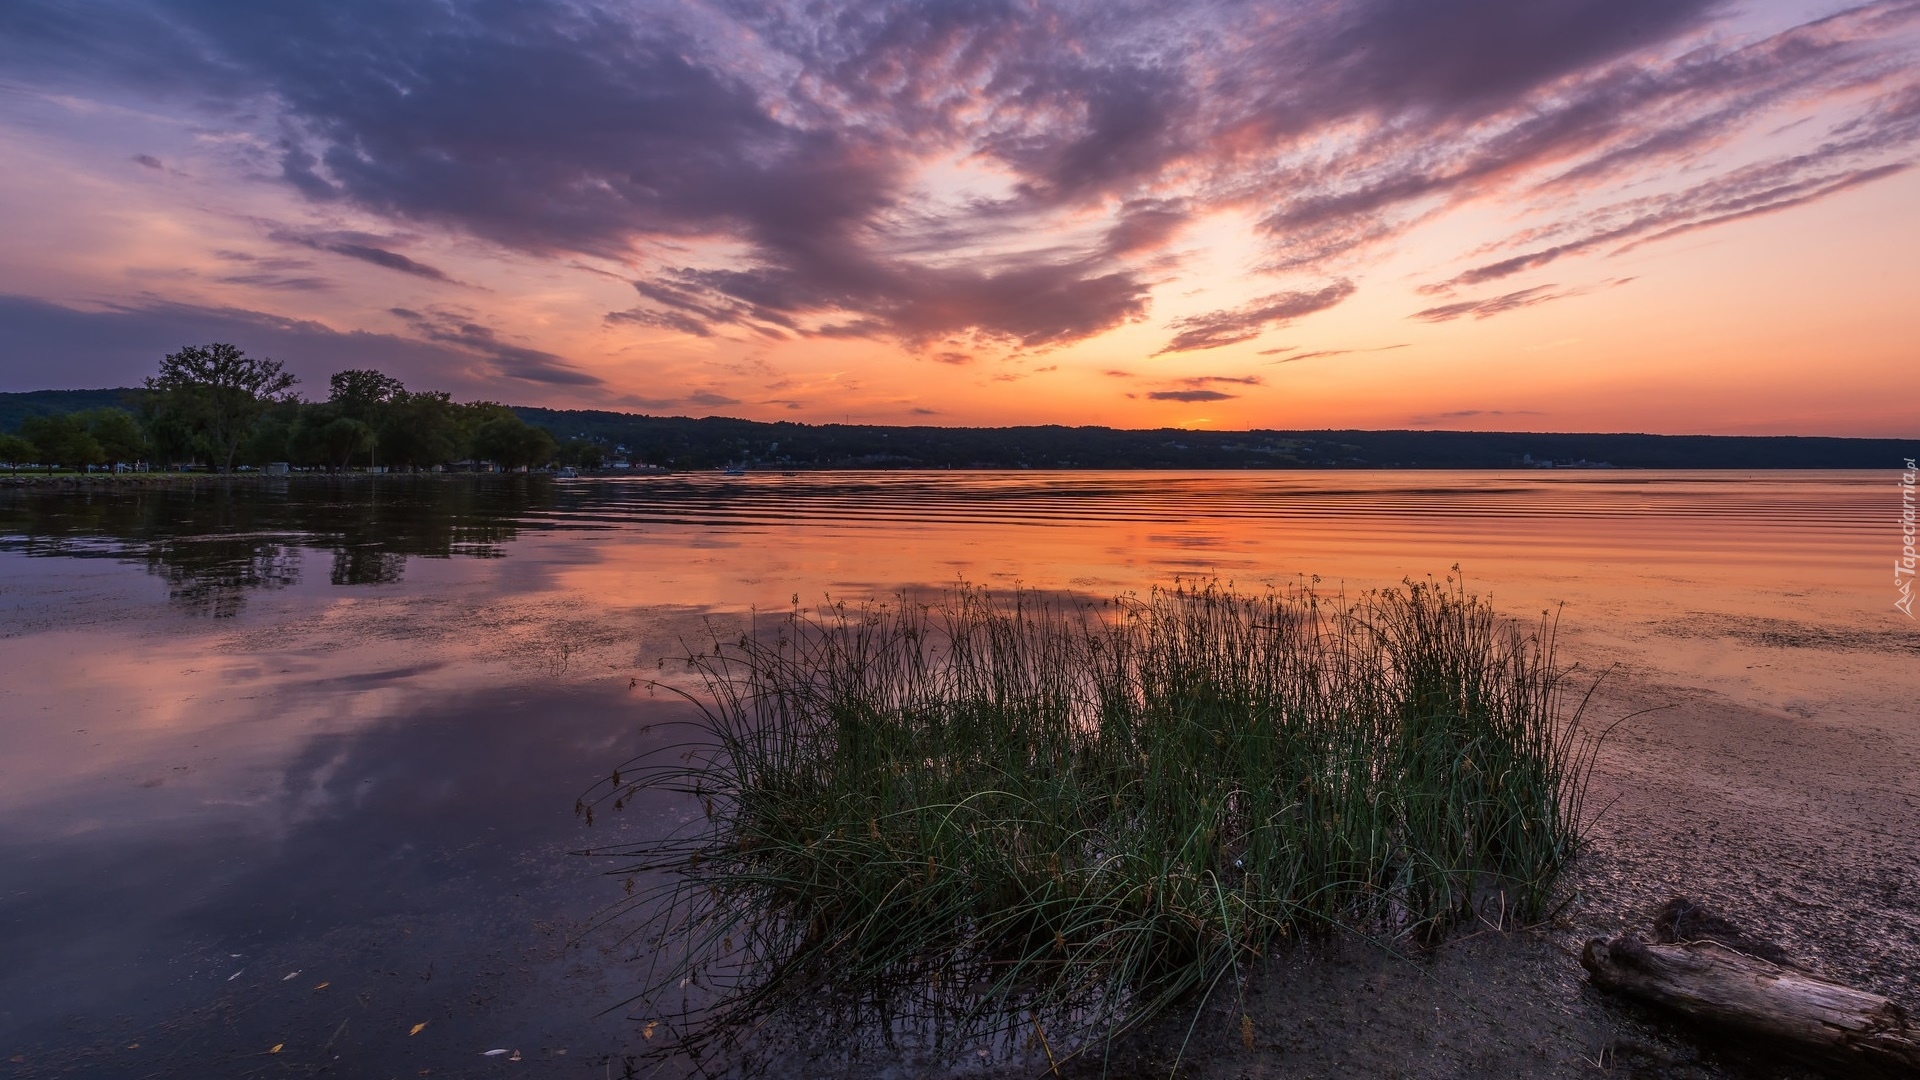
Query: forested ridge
[589,437]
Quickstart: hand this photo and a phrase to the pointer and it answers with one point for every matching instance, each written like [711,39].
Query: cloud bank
[949,174]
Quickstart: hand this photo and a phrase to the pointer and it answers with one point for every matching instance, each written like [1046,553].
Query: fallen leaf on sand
[417,1028]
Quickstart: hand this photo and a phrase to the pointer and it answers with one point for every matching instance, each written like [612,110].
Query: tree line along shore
[213,408]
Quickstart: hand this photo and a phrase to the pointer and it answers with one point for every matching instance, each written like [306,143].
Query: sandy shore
[1805,832]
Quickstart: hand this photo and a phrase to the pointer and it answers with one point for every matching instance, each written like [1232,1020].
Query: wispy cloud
[512,361]
[1454,416]
[1218,328]
[1317,353]
[1490,306]
[1190,395]
[1718,202]
[269,280]
[364,248]
[1487,307]
[1201,388]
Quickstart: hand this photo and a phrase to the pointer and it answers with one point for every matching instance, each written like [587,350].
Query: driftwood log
[1701,966]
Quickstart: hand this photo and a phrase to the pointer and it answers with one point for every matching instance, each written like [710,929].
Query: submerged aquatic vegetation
[1020,815]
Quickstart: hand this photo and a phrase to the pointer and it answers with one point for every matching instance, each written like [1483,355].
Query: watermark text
[1903,566]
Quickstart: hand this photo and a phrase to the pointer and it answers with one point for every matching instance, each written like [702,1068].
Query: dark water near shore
[257,740]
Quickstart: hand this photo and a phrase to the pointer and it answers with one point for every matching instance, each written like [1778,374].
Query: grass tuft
[1012,815]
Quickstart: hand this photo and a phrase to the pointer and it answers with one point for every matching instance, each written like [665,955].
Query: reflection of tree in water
[360,564]
[213,574]
[214,542]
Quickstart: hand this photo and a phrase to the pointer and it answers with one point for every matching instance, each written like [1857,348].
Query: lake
[293,763]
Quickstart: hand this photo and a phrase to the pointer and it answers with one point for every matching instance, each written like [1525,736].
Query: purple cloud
[795,138]
[1217,328]
[120,344]
[1190,395]
[1481,309]
[506,359]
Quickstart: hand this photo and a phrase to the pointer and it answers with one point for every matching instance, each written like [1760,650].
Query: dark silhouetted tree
[583,453]
[217,392]
[343,437]
[117,432]
[15,450]
[367,396]
[511,443]
[418,429]
[62,440]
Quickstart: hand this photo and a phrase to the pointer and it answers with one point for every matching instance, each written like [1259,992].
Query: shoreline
[75,481]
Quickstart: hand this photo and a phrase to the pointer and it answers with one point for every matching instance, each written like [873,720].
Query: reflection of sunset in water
[1680,574]
[1684,575]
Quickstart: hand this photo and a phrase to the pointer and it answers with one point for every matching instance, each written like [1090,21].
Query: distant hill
[17,407]
[688,443]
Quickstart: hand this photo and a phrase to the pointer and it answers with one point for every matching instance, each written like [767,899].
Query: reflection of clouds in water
[431,840]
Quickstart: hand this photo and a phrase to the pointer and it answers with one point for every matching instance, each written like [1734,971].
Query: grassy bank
[70,479]
[1021,816]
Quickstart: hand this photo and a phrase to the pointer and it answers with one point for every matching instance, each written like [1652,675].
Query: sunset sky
[1571,215]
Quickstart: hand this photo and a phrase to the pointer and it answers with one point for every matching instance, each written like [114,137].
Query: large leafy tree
[421,428]
[510,442]
[117,432]
[218,392]
[366,397]
[63,440]
[170,427]
[342,437]
[272,436]
[584,453]
[15,450]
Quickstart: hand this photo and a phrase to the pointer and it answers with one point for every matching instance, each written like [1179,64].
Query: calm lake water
[294,766]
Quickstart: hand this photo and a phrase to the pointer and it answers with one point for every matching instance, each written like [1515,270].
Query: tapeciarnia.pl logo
[1903,566]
